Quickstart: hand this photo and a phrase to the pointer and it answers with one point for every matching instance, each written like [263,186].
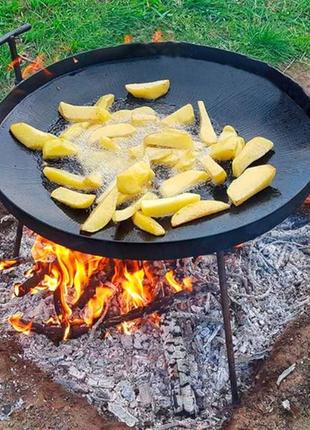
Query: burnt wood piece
[32,282]
[56,333]
[183,395]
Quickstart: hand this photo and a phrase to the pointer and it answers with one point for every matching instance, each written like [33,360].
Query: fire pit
[229,82]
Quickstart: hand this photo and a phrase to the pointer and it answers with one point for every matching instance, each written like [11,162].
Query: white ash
[129,376]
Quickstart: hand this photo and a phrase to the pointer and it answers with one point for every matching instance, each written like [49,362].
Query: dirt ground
[46,405]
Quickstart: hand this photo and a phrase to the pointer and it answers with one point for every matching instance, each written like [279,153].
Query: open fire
[88,289]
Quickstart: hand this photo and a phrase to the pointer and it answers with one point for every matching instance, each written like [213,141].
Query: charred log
[32,282]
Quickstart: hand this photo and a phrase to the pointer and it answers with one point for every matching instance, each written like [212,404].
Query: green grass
[276,31]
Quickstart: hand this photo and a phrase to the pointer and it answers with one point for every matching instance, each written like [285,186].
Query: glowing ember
[239,246]
[6,264]
[87,288]
[307,201]
[128,38]
[157,36]
[16,322]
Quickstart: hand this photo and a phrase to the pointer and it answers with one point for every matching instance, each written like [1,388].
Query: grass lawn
[276,31]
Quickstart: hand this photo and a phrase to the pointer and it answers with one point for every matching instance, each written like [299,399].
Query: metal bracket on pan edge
[10,39]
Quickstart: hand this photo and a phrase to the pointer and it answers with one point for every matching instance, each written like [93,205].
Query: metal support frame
[225,302]
[10,39]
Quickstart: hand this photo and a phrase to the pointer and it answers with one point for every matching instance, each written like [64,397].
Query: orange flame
[17,323]
[157,37]
[239,246]
[307,201]
[6,264]
[128,38]
[13,63]
[81,297]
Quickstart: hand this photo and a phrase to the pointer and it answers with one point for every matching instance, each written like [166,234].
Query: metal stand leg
[227,327]
[18,239]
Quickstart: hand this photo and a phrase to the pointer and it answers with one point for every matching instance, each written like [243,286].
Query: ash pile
[175,375]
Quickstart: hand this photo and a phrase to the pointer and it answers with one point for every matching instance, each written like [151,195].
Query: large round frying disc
[249,95]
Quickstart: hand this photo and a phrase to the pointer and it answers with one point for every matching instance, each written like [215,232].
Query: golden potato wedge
[109,188]
[58,148]
[148,224]
[113,130]
[224,150]
[141,119]
[123,115]
[207,134]
[105,101]
[62,177]
[183,116]
[136,151]
[240,145]
[228,131]
[250,182]
[74,131]
[102,214]
[124,198]
[149,90]
[157,154]
[134,179]
[214,170]
[170,160]
[164,207]
[198,210]
[170,139]
[186,161]
[83,113]
[29,136]
[109,144]
[123,214]
[94,180]
[73,199]
[143,110]
[182,182]
[253,150]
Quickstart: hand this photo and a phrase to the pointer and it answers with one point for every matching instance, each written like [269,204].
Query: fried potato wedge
[109,188]
[102,214]
[240,145]
[250,182]
[123,115]
[253,150]
[136,151]
[167,206]
[141,119]
[135,178]
[186,161]
[148,224]
[182,181]
[224,150]
[83,113]
[30,136]
[109,144]
[105,101]
[228,131]
[123,214]
[149,90]
[183,116]
[170,139]
[58,148]
[198,210]
[206,132]
[113,130]
[74,131]
[157,154]
[71,180]
[214,170]
[73,199]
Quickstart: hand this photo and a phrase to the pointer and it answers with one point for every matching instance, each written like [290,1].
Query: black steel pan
[250,95]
